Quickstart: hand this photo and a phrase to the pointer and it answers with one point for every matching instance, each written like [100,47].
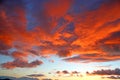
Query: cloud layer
[113,77]
[107,72]
[91,32]
[36,75]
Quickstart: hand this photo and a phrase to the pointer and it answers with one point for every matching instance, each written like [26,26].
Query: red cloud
[54,8]
[93,35]
[96,33]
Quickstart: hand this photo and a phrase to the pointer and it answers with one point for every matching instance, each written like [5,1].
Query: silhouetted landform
[46,79]
[6,79]
[14,78]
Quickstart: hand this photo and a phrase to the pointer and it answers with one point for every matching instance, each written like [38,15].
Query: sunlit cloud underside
[60,39]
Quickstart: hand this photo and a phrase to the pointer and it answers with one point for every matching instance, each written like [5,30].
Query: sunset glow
[60,39]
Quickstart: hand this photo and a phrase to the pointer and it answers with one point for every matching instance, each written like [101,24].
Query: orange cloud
[92,34]
[98,33]
[97,24]
[54,8]
[20,55]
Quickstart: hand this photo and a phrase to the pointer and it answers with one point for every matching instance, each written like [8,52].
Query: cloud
[106,72]
[65,72]
[21,64]
[20,61]
[4,46]
[36,75]
[113,77]
[1,1]
[75,72]
[56,10]
[49,28]
[93,57]
[58,72]
[62,72]
[93,43]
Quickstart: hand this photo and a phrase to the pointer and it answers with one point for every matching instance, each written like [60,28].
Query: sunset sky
[60,39]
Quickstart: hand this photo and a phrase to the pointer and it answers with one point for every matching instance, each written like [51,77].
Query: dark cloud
[82,58]
[21,64]
[113,77]
[62,72]
[1,2]
[111,44]
[93,57]
[106,72]
[4,46]
[33,52]
[70,73]
[65,72]
[58,72]
[75,72]
[4,52]
[61,50]
[36,75]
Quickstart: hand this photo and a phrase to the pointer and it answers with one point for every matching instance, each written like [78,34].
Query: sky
[60,39]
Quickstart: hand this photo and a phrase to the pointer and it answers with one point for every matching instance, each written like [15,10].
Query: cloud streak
[106,72]
[36,75]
